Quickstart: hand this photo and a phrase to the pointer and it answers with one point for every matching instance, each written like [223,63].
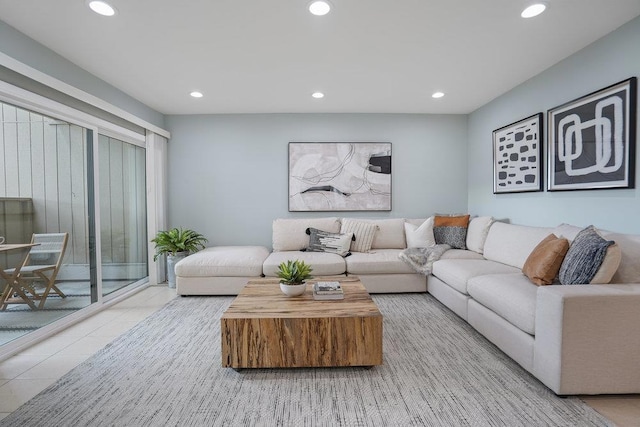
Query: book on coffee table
[327,288]
[320,297]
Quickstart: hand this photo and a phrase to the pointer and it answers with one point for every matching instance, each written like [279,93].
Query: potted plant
[176,244]
[292,276]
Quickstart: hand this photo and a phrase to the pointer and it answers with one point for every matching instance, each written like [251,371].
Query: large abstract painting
[592,140]
[517,156]
[339,176]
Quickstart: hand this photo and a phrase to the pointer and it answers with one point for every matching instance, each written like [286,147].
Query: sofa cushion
[419,236]
[461,254]
[363,233]
[477,232]
[224,261]
[379,261]
[584,258]
[510,296]
[289,234]
[457,272]
[451,230]
[390,233]
[543,264]
[335,243]
[511,244]
[322,263]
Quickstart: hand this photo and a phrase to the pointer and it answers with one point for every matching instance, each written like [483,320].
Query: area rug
[167,372]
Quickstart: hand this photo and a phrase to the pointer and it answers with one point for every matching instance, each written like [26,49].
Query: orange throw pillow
[543,264]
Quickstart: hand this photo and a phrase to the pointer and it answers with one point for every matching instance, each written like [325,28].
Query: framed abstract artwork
[339,176]
[517,156]
[592,140]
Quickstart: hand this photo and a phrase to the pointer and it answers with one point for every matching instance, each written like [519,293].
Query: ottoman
[219,270]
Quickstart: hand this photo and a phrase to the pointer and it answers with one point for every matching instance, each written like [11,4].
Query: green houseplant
[293,275]
[176,244]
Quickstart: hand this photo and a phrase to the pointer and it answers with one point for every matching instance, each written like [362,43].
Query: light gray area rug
[167,372]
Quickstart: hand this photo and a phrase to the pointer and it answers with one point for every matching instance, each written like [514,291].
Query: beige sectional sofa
[578,339]
[380,270]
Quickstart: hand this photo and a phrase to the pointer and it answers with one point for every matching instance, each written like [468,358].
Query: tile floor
[29,372]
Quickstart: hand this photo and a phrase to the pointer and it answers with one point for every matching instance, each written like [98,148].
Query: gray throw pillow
[584,258]
[323,241]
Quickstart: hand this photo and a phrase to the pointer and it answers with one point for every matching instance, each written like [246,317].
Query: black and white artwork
[517,156]
[592,140]
[339,176]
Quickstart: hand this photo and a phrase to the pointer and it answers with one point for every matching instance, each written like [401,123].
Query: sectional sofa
[577,339]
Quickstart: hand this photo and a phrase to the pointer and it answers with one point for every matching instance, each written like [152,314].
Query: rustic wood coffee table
[263,328]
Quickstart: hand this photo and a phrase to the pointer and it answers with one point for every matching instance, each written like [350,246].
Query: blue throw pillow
[584,257]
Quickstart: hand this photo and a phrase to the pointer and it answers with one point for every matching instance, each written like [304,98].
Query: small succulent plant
[294,272]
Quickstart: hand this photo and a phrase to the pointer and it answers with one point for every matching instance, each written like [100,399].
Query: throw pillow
[323,241]
[609,266]
[451,230]
[584,257]
[420,237]
[543,264]
[477,233]
[363,232]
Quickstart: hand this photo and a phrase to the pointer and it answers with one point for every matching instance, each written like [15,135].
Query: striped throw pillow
[364,232]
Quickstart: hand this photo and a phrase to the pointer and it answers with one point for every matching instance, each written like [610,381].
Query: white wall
[228,174]
[609,60]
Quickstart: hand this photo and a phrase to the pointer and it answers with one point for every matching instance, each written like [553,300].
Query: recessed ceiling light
[317,95]
[533,10]
[319,8]
[101,7]
[196,94]
[437,95]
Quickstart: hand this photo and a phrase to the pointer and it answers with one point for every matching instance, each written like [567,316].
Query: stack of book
[327,291]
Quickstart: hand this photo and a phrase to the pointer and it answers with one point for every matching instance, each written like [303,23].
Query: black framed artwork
[592,140]
[517,156]
[339,176]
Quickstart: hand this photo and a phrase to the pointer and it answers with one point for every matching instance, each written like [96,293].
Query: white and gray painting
[328,176]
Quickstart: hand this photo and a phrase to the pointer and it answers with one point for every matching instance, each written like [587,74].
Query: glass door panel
[123,213]
[44,167]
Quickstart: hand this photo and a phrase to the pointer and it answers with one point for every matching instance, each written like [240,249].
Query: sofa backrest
[289,234]
[511,244]
[629,269]
[390,233]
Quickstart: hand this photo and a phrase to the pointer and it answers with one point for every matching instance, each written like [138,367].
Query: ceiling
[367,56]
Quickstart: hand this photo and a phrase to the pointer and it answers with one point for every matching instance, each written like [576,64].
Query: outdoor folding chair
[42,265]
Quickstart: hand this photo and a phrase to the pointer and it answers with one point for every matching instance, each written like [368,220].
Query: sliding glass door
[75,183]
[123,213]
[44,193]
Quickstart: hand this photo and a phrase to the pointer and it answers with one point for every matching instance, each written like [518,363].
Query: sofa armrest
[587,338]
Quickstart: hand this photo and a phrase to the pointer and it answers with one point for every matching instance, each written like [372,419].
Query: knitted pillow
[584,258]
[363,233]
[323,241]
[451,230]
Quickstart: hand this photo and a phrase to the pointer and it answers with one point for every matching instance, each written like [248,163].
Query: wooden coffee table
[263,328]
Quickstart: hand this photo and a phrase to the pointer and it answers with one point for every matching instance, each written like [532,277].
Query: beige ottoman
[219,270]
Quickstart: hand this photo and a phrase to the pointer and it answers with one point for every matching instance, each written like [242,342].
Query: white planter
[293,290]
[172,260]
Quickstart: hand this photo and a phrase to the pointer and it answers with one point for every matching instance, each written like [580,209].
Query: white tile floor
[31,371]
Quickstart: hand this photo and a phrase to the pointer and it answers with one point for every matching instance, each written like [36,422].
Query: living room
[231,169]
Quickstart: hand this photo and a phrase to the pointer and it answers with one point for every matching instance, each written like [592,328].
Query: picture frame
[339,176]
[592,139]
[517,156]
